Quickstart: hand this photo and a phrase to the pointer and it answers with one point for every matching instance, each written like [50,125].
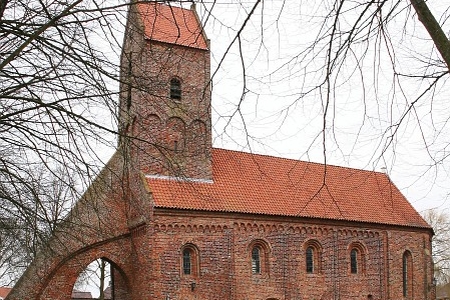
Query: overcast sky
[282,115]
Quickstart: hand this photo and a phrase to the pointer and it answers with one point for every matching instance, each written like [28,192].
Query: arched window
[259,256]
[407,274]
[354,261]
[189,260]
[313,252]
[175,89]
[256,260]
[357,258]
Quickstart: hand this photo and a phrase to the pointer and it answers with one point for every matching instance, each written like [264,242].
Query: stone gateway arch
[179,219]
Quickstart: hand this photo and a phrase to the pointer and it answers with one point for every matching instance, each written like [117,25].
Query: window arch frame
[357,258]
[190,260]
[259,265]
[175,91]
[313,257]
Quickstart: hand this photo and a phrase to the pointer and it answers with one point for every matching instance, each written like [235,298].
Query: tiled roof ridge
[301,161]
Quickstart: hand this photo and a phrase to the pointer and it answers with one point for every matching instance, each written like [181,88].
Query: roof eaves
[295,216]
[175,44]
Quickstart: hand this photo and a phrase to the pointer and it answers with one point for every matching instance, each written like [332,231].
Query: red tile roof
[4,291]
[258,184]
[81,295]
[171,24]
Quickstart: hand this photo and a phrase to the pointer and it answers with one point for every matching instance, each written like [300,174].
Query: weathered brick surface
[225,259]
[151,260]
[166,136]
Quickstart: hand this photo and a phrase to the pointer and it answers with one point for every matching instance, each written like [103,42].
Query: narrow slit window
[354,261]
[187,261]
[175,89]
[256,260]
[407,274]
[309,260]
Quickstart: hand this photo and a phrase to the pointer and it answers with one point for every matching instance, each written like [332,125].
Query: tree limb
[434,29]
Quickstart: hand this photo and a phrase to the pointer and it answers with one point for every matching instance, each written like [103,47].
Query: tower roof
[266,185]
[171,24]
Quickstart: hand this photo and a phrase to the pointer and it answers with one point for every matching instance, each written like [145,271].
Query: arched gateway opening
[63,280]
[102,279]
[53,276]
[94,281]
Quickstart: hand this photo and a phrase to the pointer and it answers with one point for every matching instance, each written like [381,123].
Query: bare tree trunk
[102,280]
[434,29]
[2,8]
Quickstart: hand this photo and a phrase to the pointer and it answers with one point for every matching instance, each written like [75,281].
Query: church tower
[165,101]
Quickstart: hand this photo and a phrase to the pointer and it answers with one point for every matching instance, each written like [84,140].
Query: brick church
[179,219]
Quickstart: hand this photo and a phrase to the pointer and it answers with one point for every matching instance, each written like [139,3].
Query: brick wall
[165,136]
[224,245]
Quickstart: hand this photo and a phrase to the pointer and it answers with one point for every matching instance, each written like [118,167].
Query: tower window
[175,89]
